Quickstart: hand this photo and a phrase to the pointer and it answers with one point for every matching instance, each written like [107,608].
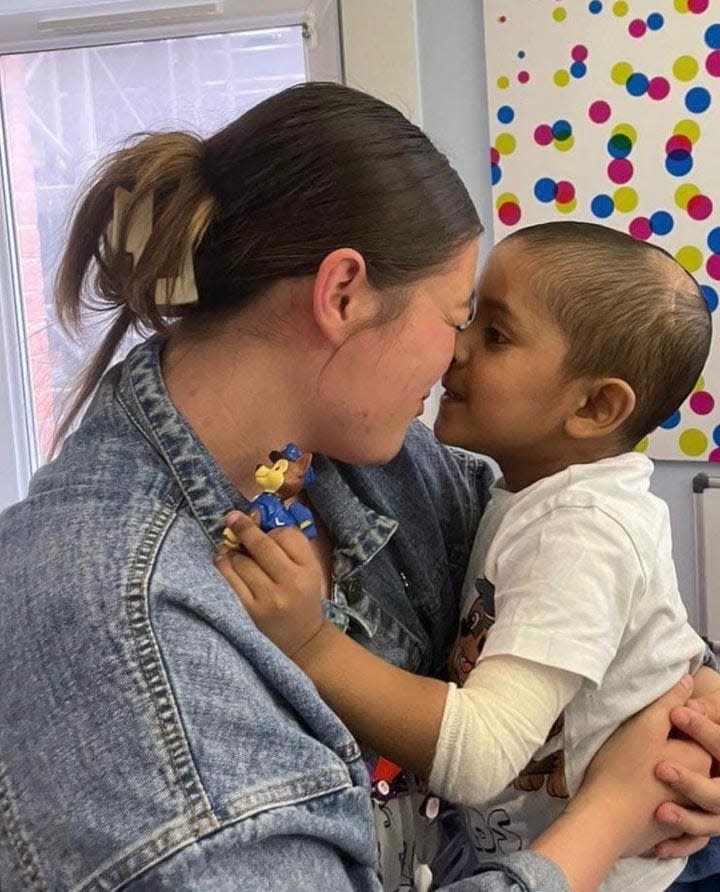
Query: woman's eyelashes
[471,308]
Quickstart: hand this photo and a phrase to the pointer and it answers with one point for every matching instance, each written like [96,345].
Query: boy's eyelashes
[494,336]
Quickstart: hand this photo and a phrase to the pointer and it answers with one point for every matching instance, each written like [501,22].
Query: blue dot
[637,84]
[655,21]
[578,69]
[619,146]
[678,163]
[602,206]
[595,7]
[505,114]
[714,240]
[716,435]
[661,223]
[521,54]
[697,99]
[562,130]
[545,189]
[711,299]
[495,174]
[672,421]
[712,37]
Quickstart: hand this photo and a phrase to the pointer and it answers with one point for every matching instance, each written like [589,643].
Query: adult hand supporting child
[699,719]
[619,792]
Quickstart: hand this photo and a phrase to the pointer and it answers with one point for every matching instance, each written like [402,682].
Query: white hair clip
[169,292]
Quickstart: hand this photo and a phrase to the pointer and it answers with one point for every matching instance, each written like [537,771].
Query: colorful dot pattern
[594,118]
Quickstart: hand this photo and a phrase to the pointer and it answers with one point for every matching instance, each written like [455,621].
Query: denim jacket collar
[357,531]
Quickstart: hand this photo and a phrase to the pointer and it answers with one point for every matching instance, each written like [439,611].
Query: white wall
[453,104]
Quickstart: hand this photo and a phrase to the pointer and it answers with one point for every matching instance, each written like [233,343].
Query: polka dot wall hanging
[610,112]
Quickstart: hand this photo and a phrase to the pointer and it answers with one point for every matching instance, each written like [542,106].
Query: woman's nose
[461,351]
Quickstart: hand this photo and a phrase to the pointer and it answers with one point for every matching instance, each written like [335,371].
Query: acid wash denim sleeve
[150,736]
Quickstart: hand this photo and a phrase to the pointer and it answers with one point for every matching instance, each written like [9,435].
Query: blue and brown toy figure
[281,483]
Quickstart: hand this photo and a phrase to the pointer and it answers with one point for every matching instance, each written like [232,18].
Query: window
[74,87]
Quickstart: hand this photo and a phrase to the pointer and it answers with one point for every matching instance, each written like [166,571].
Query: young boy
[583,342]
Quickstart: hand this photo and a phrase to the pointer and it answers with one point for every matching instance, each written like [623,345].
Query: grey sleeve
[223,862]
[521,872]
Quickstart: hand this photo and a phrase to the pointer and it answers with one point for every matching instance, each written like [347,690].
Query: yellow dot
[566,208]
[564,145]
[693,442]
[620,8]
[506,196]
[561,77]
[690,257]
[684,193]
[505,143]
[625,199]
[700,384]
[626,130]
[687,128]
[559,14]
[681,5]
[620,72]
[642,445]
[685,68]
[503,83]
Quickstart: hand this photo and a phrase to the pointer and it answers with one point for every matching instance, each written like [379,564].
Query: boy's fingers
[261,547]
[293,542]
[223,562]
[703,792]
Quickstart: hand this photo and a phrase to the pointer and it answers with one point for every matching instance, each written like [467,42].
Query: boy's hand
[279,580]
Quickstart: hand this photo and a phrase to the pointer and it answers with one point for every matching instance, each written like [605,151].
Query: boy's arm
[395,712]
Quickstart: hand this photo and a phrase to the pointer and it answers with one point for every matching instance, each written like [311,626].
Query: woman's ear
[343,299]
[607,403]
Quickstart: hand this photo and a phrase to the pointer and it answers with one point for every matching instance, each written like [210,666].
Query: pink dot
[543,135]
[700,207]
[714,455]
[697,6]
[658,88]
[494,155]
[599,111]
[564,192]
[637,28]
[620,170]
[713,266]
[712,63]
[702,402]
[579,53]
[640,228]
[509,213]
[523,77]
[678,142]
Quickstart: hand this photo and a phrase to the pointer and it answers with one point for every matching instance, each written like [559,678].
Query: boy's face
[506,392]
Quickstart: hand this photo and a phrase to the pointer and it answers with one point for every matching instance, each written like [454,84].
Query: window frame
[80,24]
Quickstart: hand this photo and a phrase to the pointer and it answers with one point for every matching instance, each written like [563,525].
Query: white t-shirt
[574,573]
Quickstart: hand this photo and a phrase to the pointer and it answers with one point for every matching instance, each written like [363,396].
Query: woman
[321,253]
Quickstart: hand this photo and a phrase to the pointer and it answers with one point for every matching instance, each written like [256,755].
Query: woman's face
[386,372]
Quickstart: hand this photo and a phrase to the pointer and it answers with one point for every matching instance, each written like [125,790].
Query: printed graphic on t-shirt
[474,626]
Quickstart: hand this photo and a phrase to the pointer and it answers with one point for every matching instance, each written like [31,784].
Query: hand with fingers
[279,580]
[697,814]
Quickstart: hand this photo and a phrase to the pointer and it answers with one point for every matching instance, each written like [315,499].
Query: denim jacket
[150,737]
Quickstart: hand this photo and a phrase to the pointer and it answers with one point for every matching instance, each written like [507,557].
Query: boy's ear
[607,403]
[342,296]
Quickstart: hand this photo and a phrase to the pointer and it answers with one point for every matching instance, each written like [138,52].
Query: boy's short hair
[628,310]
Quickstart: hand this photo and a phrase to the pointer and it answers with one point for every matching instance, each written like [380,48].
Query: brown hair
[316,167]
[627,310]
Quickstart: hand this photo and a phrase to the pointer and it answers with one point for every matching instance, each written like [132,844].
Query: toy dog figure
[277,504]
